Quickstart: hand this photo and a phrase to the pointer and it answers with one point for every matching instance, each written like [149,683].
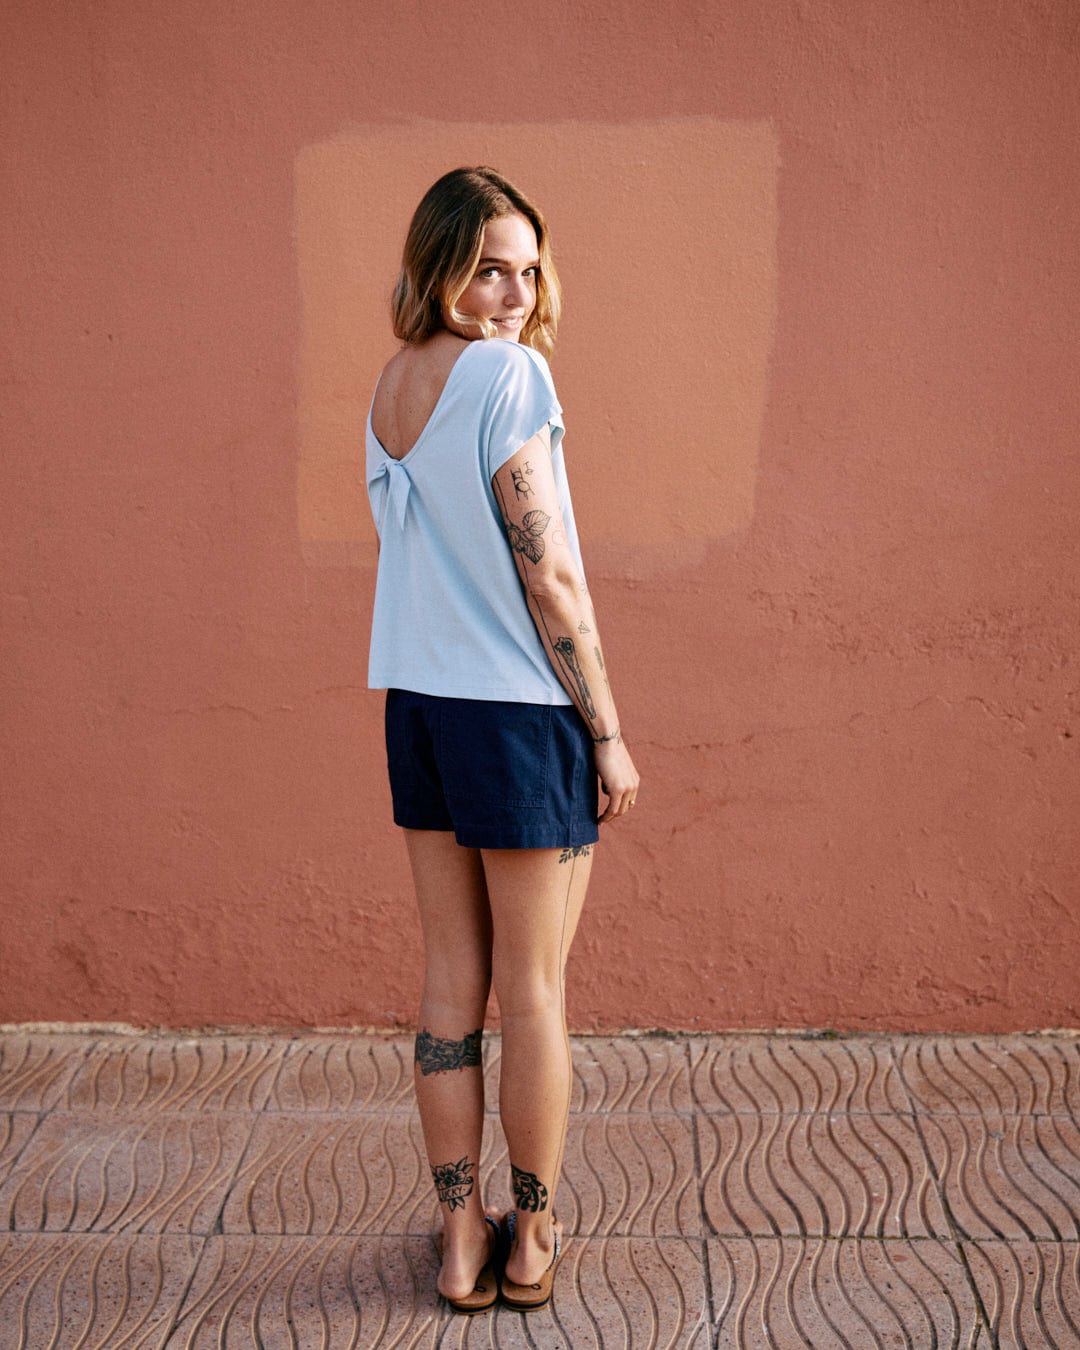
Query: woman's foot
[531,1249]
[466,1276]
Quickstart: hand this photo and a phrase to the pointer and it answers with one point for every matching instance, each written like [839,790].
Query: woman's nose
[517,292]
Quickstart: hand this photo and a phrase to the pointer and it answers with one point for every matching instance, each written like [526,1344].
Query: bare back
[409,389]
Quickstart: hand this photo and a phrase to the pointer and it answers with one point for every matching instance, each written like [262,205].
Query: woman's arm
[560,606]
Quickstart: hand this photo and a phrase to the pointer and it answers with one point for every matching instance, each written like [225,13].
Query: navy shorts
[500,775]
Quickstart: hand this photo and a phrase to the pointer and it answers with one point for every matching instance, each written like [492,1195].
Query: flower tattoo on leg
[453,1182]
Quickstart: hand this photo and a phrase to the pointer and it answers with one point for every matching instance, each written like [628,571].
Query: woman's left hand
[618,777]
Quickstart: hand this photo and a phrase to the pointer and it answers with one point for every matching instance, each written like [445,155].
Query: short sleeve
[521,402]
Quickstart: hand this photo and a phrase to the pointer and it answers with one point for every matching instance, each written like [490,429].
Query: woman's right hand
[618,778]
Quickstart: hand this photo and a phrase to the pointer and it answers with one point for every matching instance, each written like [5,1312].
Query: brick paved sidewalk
[258,1191]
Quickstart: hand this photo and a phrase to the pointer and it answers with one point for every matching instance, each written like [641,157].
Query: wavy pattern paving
[116,1173]
[211,1074]
[1031,1291]
[631,1175]
[345,1073]
[1015,1177]
[15,1131]
[818,1175]
[34,1068]
[159,1193]
[762,1074]
[93,1290]
[1010,1075]
[840,1295]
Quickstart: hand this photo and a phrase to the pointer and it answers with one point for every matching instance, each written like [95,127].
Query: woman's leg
[452,897]
[536,897]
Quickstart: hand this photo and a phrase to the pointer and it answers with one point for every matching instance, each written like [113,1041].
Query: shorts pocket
[495,754]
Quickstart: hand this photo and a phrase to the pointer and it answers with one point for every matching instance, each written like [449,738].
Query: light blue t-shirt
[450,616]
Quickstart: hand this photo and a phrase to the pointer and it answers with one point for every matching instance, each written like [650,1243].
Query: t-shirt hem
[546,697]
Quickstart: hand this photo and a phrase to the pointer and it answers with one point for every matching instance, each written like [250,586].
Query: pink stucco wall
[819,369]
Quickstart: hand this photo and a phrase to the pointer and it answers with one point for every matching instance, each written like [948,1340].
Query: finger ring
[634,802]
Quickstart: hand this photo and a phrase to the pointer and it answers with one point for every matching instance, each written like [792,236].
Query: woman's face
[503,287]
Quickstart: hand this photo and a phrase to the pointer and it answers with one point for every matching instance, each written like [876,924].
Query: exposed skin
[506,916]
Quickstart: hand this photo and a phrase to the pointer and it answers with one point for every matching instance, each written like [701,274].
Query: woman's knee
[527,992]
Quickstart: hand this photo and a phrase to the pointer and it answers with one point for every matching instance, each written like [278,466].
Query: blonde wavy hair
[443,247]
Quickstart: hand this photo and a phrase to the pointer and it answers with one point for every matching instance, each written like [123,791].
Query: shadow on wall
[665,237]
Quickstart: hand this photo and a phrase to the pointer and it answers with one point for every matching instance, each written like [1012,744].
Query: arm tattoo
[616,735]
[435,1055]
[583,628]
[525,538]
[453,1182]
[568,652]
[521,488]
[529,1191]
[577,851]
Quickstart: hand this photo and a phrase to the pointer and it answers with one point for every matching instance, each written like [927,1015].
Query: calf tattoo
[568,652]
[434,1054]
[453,1182]
[526,537]
[529,1191]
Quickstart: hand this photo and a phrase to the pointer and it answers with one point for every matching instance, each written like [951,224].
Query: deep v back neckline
[400,459]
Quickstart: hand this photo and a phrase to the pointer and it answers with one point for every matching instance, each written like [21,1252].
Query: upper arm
[528,498]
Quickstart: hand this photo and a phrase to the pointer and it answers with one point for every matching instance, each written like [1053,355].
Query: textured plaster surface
[820,385]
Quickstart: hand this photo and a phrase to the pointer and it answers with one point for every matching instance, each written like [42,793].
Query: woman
[499,716]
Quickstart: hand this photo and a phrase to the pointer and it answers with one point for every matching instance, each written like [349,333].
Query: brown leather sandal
[528,1297]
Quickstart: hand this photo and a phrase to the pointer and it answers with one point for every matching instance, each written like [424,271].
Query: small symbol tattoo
[529,1191]
[525,538]
[522,488]
[578,851]
[434,1054]
[583,627]
[453,1182]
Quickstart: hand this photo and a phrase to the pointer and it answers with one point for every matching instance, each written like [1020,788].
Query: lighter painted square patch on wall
[665,238]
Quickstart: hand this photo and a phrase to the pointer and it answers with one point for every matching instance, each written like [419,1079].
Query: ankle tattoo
[434,1054]
[529,1191]
[453,1182]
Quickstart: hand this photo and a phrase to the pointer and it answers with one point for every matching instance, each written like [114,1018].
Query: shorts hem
[486,836]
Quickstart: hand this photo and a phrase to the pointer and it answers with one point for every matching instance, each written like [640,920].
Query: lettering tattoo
[578,851]
[568,654]
[453,1182]
[529,1191]
[526,537]
[521,488]
[435,1054]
